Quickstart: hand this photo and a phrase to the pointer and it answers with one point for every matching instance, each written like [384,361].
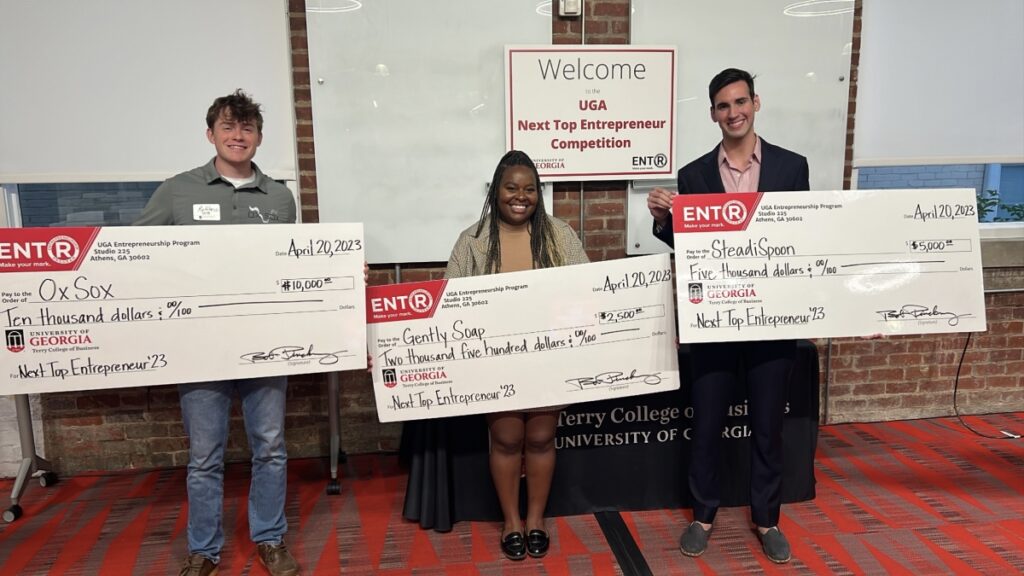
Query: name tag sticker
[208,212]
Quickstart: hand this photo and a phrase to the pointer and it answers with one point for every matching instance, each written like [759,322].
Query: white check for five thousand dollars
[825,264]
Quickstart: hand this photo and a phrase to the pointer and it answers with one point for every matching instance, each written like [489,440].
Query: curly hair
[238,106]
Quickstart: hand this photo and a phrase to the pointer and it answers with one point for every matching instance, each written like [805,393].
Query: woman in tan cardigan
[515,233]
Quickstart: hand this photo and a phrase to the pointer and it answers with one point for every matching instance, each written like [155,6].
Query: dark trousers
[767,365]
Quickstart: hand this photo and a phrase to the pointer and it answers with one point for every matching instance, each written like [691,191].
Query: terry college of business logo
[15,340]
[390,378]
[696,292]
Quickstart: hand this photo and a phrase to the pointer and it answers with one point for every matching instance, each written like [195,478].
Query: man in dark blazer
[742,162]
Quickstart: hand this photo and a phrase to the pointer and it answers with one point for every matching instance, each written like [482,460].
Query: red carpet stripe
[990,542]
[18,558]
[81,543]
[892,494]
[891,566]
[817,560]
[843,517]
[567,542]
[932,456]
[483,543]
[122,555]
[952,561]
[328,561]
[836,550]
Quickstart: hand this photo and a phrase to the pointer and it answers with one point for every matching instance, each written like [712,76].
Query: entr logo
[15,340]
[696,292]
[60,249]
[390,378]
[732,212]
[657,160]
[419,300]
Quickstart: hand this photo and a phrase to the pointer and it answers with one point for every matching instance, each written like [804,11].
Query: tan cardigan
[469,256]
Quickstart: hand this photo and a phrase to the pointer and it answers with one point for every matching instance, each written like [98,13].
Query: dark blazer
[781,171]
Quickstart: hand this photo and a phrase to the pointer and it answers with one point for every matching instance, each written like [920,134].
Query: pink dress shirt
[737,179]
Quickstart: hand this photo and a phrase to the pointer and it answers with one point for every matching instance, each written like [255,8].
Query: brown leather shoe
[277,559]
[197,565]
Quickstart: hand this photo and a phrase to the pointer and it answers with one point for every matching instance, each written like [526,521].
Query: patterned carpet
[913,497]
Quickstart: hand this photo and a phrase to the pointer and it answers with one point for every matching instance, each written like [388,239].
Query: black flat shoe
[537,543]
[513,546]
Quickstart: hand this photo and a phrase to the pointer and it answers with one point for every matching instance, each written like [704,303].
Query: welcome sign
[592,113]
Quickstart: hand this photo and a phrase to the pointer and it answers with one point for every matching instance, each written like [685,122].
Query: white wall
[940,82]
[408,121]
[800,57]
[117,90]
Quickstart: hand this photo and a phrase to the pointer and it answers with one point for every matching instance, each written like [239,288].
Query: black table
[624,454]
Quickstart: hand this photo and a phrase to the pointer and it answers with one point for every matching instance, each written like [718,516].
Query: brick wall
[908,377]
[870,380]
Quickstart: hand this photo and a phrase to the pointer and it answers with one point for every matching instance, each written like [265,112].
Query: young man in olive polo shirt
[231,189]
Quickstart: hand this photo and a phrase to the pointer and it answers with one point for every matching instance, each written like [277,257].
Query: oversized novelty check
[827,264]
[86,308]
[523,339]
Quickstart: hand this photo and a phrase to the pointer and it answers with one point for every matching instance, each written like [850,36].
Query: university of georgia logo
[15,340]
[696,292]
[390,378]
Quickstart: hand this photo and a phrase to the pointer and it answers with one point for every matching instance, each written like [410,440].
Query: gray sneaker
[775,545]
[196,565]
[277,559]
[694,540]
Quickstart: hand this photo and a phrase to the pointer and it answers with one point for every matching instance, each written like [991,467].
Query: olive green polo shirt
[202,196]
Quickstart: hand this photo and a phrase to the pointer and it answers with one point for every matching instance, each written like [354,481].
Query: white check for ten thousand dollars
[522,339]
[90,308]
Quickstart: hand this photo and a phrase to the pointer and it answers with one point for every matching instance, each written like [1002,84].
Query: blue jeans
[206,410]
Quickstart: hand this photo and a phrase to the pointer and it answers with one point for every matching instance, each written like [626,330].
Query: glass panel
[93,204]
[1011,194]
[999,187]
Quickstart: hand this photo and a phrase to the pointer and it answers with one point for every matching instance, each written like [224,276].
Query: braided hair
[544,254]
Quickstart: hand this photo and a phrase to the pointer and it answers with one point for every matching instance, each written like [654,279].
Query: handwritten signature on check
[613,378]
[291,353]
[919,312]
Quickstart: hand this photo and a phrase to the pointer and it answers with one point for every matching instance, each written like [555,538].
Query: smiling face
[734,110]
[236,144]
[517,195]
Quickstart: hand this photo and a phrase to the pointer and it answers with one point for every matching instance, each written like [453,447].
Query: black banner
[624,454]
